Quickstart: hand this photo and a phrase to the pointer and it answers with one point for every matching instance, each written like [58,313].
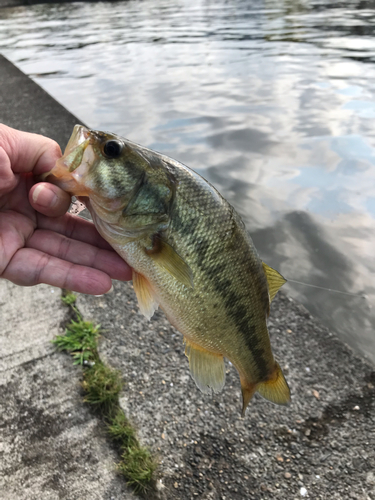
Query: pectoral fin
[207,369]
[167,258]
[274,279]
[146,301]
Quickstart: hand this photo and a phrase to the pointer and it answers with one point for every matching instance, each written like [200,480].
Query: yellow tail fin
[276,389]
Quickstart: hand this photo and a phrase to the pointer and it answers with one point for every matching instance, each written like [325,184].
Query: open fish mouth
[76,147]
[70,169]
[79,135]
[73,153]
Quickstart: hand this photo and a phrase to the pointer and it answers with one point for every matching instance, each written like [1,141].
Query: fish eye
[112,149]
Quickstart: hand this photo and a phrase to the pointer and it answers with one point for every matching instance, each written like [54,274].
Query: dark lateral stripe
[197,235]
[239,313]
[244,322]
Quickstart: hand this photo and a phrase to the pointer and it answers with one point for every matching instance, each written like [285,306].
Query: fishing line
[361,295]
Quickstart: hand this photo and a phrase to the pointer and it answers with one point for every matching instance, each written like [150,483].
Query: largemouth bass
[190,254]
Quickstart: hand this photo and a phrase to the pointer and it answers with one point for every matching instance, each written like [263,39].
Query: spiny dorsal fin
[276,389]
[274,279]
[146,301]
[206,368]
[168,259]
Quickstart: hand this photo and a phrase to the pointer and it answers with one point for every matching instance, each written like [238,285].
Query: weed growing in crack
[102,385]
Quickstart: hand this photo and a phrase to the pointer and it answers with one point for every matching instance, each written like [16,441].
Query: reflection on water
[272,101]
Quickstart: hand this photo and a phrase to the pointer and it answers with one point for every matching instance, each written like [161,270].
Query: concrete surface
[51,446]
[320,447]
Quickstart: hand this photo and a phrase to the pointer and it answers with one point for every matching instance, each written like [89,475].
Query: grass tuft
[121,430]
[68,297]
[138,466]
[80,340]
[102,385]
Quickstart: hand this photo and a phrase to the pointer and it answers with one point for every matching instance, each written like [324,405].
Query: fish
[189,252]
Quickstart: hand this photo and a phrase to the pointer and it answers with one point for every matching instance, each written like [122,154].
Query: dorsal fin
[274,279]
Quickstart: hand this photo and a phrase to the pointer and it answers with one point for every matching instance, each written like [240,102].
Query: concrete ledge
[17,3]
[26,106]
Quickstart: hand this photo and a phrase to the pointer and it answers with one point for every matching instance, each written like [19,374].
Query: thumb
[49,199]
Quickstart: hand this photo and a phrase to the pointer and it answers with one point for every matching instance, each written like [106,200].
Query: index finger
[28,152]
[73,227]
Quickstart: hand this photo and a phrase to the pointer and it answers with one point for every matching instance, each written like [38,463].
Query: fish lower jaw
[60,176]
[68,184]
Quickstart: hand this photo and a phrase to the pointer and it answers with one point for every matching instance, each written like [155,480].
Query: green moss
[138,466]
[102,385]
[120,430]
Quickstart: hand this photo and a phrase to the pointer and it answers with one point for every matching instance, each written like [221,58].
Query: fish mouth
[76,147]
[70,169]
[79,136]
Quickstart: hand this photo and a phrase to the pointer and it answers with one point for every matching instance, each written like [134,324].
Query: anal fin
[146,301]
[207,368]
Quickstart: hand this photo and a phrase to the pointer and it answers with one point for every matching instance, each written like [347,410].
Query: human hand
[39,241]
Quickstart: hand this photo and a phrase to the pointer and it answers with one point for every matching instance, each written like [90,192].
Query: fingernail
[44,197]
[109,291]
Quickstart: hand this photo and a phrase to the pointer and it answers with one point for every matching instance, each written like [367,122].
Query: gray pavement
[320,447]
[51,446]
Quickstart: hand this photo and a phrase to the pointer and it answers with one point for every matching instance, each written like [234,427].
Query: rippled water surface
[271,101]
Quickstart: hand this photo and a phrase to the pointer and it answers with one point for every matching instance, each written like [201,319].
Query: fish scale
[190,254]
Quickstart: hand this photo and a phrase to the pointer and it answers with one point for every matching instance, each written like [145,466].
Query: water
[272,101]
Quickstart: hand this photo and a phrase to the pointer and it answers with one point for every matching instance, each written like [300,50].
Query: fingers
[32,267]
[28,152]
[8,180]
[49,200]
[83,254]
[74,227]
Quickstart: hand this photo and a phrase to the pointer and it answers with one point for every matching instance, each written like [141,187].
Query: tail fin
[276,389]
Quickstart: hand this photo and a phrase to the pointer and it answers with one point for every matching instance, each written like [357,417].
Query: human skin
[39,241]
